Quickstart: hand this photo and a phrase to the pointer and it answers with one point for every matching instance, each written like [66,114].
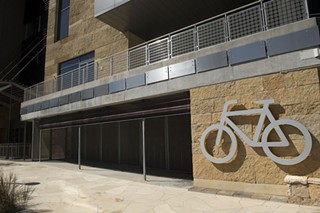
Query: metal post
[119,143]
[97,71]
[195,38]
[32,140]
[263,16]
[40,142]
[50,144]
[100,143]
[24,140]
[9,124]
[227,30]
[111,66]
[72,80]
[61,82]
[144,150]
[307,9]
[79,147]
[166,145]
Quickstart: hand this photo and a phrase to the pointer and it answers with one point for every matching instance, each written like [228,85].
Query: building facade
[22,58]
[224,93]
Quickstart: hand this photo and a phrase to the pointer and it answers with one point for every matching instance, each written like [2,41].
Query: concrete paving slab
[63,188]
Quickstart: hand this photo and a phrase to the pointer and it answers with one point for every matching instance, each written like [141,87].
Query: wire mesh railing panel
[75,78]
[27,94]
[245,22]
[211,33]
[281,12]
[138,57]
[159,50]
[33,92]
[48,87]
[66,81]
[182,43]
[104,67]
[59,83]
[88,73]
[40,90]
[15,150]
[119,63]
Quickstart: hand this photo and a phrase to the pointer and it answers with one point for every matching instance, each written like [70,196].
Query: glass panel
[180,143]
[87,57]
[91,141]
[64,4]
[130,142]
[155,143]
[110,143]
[72,143]
[64,24]
[58,144]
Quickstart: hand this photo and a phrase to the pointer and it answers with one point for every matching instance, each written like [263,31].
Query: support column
[40,141]
[144,150]
[50,144]
[32,140]
[24,140]
[166,145]
[100,143]
[79,147]
[35,139]
[9,126]
[119,144]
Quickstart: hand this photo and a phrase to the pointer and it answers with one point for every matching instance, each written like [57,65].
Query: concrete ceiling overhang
[150,19]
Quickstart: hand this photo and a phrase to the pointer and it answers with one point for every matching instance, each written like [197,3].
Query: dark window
[77,71]
[63,19]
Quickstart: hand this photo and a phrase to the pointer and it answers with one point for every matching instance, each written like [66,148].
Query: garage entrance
[114,137]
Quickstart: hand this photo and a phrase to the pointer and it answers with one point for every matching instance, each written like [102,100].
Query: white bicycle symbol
[226,125]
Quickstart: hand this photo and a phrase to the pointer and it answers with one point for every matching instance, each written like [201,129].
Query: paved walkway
[65,189]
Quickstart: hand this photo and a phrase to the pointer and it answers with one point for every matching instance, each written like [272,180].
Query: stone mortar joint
[292,179]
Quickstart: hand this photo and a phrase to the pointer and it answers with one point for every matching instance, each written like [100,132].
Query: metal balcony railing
[15,150]
[250,19]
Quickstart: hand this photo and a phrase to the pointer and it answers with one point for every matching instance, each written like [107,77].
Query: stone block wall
[86,34]
[297,97]
[303,189]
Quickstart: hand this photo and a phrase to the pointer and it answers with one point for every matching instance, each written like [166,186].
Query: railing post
[263,16]
[111,65]
[53,83]
[226,28]
[128,57]
[71,83]
[61,82]
[307,9]
[37,89]
[97,70]
[195,37]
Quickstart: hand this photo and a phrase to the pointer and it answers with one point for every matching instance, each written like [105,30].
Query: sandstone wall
[86,34]
[297,97]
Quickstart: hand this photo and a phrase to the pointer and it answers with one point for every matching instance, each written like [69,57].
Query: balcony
[149,19]
[161,59]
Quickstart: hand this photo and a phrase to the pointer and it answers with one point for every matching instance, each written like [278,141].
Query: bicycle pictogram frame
[227,125]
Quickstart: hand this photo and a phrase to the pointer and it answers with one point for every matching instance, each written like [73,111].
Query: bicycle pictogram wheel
[285,161]
[233,145]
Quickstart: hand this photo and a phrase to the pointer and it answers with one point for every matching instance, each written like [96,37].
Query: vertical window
[63,19]
[77,71]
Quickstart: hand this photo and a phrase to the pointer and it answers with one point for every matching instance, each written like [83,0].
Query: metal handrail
[116,62]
